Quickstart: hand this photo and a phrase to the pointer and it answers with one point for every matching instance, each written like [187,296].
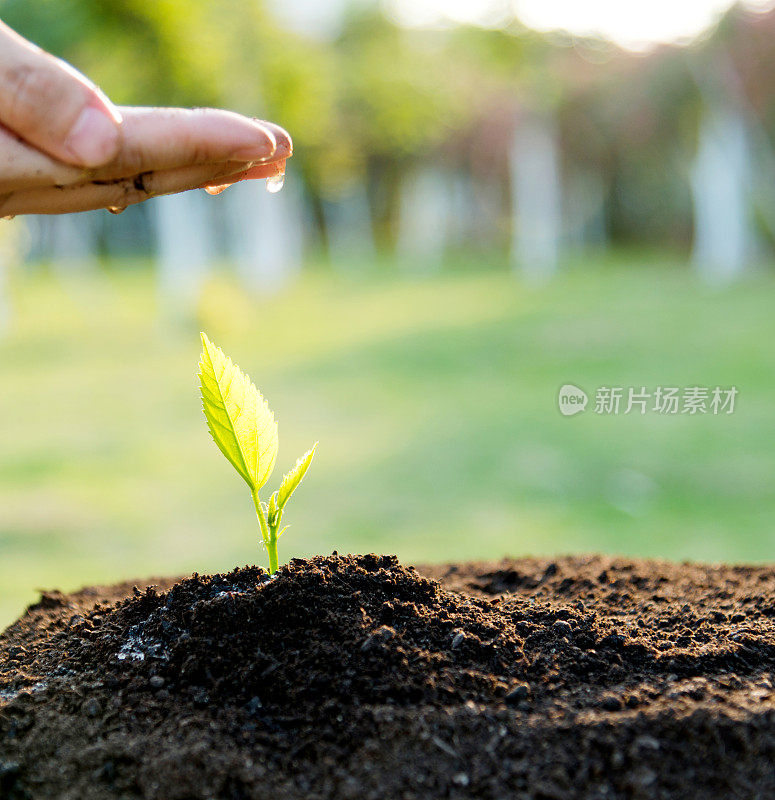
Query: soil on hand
[357,677]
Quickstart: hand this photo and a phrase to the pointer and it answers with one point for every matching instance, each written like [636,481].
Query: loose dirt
[358,677]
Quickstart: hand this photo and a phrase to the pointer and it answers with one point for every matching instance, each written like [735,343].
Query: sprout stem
[268,533]
[272,548]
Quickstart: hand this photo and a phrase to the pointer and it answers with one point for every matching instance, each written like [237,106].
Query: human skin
[65,147]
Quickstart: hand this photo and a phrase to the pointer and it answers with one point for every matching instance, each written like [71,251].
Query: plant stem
[272,549]
[268,534]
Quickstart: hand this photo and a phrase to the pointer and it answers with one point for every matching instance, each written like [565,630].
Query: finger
[155,139]
[52,106]
[25,167]
[116,193]
[254,173]
[166,138]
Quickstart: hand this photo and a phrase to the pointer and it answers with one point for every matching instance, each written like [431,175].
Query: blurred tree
[401,97]
[632,119]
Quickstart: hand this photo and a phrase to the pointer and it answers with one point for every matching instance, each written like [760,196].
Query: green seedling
[245,430]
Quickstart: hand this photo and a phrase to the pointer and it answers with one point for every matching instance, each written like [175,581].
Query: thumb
[52,106]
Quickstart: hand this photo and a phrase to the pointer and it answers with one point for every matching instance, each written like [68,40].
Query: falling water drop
[116,209]
[275,183]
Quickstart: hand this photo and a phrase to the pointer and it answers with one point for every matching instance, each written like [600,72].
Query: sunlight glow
[634,25]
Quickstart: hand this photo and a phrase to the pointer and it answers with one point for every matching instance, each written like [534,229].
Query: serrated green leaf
[238,417]
[293,478]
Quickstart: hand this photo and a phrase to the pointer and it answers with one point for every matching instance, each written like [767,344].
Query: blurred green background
[442,273]
[435,404]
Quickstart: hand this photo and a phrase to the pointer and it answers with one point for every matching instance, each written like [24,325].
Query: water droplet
[214,190]
[116,209]
[275,183]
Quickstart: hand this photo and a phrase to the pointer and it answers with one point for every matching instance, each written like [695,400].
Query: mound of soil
[357,677]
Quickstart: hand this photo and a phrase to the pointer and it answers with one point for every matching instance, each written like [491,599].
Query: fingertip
[259,149]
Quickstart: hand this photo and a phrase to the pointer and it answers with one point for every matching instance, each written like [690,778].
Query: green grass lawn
[434,401]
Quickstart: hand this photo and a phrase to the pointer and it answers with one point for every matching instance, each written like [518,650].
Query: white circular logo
[571,400]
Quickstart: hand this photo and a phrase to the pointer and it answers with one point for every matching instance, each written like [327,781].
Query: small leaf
[272,510]
[293,478]
[237,415]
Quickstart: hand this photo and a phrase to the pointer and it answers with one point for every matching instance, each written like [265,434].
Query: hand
[65,147]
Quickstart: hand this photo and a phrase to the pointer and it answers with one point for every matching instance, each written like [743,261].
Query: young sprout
[245,430]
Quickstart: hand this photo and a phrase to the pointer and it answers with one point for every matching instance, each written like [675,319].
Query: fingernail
[263,148]
[282,137]
[94,138]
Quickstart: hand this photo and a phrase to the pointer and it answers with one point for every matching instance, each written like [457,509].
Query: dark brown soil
[357,677]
